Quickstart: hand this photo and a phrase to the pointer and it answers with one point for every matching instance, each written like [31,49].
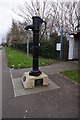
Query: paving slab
[19,89]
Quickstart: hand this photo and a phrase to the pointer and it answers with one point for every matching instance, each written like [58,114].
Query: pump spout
[29,27]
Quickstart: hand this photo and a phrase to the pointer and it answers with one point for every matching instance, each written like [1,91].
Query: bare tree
[37,8]
[64,14]
[72,15]
[56,14]
[16,33]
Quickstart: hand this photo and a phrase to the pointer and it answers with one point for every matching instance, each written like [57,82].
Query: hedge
[47,49]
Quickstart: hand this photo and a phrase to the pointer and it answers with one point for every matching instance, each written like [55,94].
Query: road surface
[0,84]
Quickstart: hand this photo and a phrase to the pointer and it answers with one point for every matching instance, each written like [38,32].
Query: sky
[7,14]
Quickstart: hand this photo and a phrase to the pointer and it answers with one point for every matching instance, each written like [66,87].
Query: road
[0,84]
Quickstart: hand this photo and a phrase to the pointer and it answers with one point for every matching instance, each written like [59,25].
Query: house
[74,44]
[74,41]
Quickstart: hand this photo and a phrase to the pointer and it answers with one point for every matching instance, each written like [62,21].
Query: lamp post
[60,34]
[61,41]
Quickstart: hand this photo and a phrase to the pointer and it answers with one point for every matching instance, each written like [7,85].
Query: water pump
[37,21]
[35,77]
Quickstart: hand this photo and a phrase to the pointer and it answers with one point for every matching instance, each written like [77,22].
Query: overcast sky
[6,14]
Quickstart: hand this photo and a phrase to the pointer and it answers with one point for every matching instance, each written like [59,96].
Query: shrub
[47,49]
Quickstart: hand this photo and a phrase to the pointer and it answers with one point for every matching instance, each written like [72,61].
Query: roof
[76,34]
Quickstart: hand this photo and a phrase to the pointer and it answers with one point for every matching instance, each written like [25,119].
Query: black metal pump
[37,21]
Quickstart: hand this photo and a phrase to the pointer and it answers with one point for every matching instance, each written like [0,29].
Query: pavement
[0,84]
[56,103]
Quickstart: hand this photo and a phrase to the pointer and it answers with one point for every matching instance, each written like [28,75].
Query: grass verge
[72,75]
[19,59]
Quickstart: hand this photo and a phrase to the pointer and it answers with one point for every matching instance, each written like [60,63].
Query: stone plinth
[29,81]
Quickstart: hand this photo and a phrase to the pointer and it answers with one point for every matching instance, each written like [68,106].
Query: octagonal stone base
[29,81]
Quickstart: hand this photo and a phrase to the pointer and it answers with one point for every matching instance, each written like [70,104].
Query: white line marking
[12,82]
[11,73]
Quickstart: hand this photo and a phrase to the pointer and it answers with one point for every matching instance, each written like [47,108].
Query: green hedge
[47,49]
[21,46]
